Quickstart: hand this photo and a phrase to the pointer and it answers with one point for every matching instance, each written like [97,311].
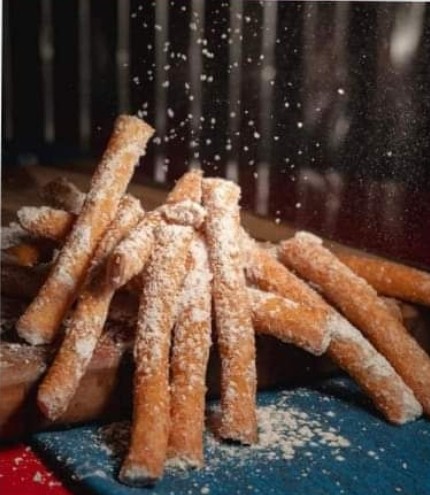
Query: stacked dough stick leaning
[40,322]
[181,257]
[362,306]
[151,402]
[86,324]
[347,346]
[235,334]
[391,279]
[192,339]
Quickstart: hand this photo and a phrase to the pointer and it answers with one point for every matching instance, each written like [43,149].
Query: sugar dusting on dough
[131,254]
[164,275]
[185,212]
[190,354]
[79,244]
[235,334]
[377,368]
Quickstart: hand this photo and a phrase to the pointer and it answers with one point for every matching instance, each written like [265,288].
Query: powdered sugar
[85,347]
[259,296]
[308,237]
[197,281]
[160,296]
[79,245]
[65,277]
[12,235]
[235,333]
[30,214]
[373,371]
[285,431]
[371,359]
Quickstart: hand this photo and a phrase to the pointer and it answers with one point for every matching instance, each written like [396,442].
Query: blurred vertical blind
[321,111]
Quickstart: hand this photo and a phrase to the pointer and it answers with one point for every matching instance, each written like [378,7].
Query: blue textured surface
[380,458]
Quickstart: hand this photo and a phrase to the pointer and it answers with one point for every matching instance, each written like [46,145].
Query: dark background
[320,110]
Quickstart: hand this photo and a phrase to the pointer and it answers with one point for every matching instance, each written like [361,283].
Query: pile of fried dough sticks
[190,258]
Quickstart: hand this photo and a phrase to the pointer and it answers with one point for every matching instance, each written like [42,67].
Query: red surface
[23,473]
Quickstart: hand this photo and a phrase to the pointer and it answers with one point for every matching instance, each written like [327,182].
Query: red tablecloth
[23,473]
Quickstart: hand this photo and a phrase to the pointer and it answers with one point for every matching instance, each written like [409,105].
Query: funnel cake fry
[347,347]
[46,222]
[290,322]
[267,273]
[86,324]
[23,254]
[375,375]
[391,279]
[189,186]
[144,462]
[41,320]
[235,334]
[192,337]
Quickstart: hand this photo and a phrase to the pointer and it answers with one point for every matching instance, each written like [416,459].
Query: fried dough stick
[46,222]
[62,194]
[294,323]
[192,337]
[235,334]
[151,405]
[352,352]
[391,279]
[189,186]
[41,320]
[290,322]
[84,328]
[267,273]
